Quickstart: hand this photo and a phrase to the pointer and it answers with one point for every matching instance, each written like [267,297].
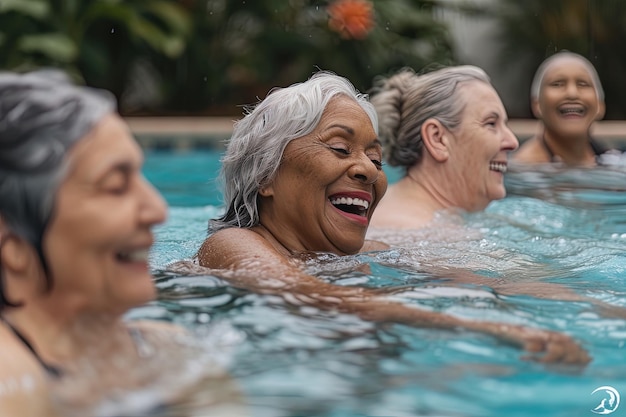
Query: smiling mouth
[351,205]
[498,166]
[139,255]
[576,111]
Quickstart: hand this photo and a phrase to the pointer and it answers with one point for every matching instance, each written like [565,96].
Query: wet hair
[405,100]
[42,114]
[535,88]
[259,139]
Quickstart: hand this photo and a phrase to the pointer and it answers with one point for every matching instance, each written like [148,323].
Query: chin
[135,297]
[352,248]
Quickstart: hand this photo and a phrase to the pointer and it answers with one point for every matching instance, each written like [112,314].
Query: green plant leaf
[56,46]
[38,9]
[156,38]
[172,15]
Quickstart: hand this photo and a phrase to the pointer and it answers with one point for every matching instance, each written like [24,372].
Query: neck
[273,241]
[572,150]
[419,185]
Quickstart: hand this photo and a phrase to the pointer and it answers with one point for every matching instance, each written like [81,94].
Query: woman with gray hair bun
[448,130]
[75,231]
[302,175]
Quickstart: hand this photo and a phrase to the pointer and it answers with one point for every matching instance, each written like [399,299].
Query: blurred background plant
[102,43]
[241,49]
[208,57]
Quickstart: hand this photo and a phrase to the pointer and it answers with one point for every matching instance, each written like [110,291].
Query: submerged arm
[537,289]
[251,262]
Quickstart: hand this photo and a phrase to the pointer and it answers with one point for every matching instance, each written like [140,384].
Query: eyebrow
[348,129]
[124,167]
[344,127]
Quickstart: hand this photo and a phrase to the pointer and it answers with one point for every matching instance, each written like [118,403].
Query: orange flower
[352,19]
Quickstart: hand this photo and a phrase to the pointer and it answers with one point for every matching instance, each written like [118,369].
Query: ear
[435,138]
[267,190]
[601,110]
[15,253]
[535,108]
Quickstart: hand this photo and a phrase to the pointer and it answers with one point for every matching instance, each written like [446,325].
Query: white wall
[475,42]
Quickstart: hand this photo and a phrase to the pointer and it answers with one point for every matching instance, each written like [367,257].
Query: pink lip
[353,194]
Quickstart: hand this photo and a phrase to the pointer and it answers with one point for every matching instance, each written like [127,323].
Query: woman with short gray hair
[567,97]
[259,139]
[76,219]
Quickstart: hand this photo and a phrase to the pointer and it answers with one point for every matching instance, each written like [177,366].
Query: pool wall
[184,133]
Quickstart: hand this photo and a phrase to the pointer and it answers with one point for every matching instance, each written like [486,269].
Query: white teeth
[571,110]
[498,166]
[351,202]
[140,255]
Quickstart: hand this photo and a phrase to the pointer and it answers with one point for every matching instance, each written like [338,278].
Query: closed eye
[342,151]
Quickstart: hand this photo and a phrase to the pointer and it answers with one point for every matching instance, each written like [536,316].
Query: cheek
[381,185]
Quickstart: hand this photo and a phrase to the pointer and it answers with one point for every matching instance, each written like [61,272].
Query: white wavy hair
[255,150]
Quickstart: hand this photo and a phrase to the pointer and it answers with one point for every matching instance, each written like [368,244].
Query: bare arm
[537,289]
[252,263]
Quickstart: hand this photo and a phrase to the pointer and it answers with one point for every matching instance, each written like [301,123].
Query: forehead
[342,109]
[479,97]
[567,67]
[109,142]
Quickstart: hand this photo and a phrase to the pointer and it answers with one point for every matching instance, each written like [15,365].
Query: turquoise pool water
[293,360]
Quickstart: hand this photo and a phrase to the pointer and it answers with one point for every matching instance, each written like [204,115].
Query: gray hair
[535,88]
[404,101]
[41,116]
[259,139]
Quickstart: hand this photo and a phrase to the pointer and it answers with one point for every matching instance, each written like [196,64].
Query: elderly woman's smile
[352,203]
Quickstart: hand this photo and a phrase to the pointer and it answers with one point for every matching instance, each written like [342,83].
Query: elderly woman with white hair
[567,97]
[302,174]
[76,219]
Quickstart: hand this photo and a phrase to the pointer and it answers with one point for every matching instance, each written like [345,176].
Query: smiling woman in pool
[448,130]
[567,97]
[302,173]
[75,230]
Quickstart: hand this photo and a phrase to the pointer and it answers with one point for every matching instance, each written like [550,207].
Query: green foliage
[97,41]
[534,29]
[242,49]
[208,56]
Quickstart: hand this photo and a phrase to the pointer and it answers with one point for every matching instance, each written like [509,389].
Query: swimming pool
[292,360]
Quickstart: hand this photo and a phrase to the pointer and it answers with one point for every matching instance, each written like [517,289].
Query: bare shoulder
[374,245]
[23,384]
[529,152]
[227,247]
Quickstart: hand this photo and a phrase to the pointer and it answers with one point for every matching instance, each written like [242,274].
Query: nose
[509,142]
[153,208]
[572,90]
[364,170]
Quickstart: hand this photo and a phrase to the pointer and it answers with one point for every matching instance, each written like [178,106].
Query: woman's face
[328,184]
[568,101]
[480,146]
[98,241]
